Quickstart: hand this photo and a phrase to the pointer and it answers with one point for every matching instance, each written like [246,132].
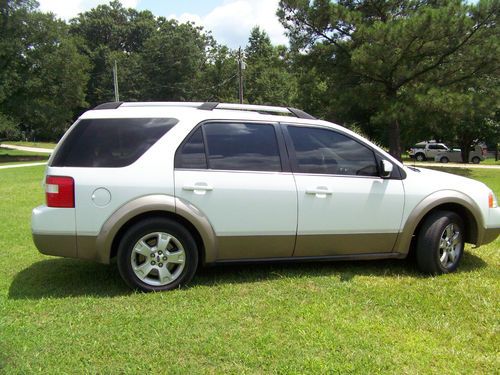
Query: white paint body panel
[352,205]
[242,203]
[54,221]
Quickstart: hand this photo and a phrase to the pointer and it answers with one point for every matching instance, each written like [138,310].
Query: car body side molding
[155,203]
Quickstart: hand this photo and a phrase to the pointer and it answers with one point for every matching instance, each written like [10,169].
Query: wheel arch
[157,206]
[447,200]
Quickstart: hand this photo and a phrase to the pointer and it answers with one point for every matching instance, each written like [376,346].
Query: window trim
[396,174]
[280,140]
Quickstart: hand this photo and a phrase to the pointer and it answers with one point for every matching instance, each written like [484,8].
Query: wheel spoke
[163,241]
[444,258]
[455,239]
[177,258]
[442,244]
[164,275]
[142,248]
[449,232]
[452,255]
[143,270]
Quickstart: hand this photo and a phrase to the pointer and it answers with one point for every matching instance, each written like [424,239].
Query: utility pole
[115,80]
[241,67]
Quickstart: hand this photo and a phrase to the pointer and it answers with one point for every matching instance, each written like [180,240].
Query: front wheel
[444,160]
[476,160]
[157,254]
[440,243]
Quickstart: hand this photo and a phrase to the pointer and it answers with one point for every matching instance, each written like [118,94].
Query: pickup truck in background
[427,150]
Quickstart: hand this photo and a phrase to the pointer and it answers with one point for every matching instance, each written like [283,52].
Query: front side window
[242,146]
[324,151]
[110,143]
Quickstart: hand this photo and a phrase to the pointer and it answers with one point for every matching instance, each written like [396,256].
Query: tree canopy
[400,71]
[379,58]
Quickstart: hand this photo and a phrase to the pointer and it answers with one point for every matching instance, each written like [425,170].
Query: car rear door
[237,174]
[344,207]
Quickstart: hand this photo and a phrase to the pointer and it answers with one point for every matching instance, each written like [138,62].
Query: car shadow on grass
[344,271]
[63,278]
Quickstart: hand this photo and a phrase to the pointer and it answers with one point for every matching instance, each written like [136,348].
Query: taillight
[60,191]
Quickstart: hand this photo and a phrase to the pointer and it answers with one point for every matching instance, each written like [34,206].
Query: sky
[230,21]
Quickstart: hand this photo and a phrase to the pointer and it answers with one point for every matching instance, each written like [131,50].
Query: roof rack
[209,106]
[109,105]
[257,108]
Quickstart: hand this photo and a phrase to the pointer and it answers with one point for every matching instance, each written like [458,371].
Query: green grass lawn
[68,316]
[48,145]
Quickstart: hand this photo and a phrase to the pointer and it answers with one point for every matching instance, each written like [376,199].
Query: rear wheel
[476,160]
[420,157]
[440,243]
[444,159]
[157,254]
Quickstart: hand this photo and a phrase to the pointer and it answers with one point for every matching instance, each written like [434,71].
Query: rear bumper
[69,246]
[45,221]
[58,245]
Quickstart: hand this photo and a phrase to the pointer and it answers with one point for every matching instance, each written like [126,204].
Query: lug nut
[160,264]
[152,255]
[165,258]
[153,263]
[160,252]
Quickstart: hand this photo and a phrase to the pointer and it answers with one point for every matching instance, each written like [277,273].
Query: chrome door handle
[198,188]
[320,191]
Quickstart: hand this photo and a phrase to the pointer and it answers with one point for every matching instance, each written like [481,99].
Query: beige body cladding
[100,248]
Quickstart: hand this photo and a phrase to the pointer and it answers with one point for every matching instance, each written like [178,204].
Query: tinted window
[110,143]
[236,146]
[328,152]
[192,153]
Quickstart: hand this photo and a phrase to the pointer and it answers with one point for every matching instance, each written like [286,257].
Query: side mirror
[385,169]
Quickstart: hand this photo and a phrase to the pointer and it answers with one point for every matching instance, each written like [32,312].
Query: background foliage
[401,71]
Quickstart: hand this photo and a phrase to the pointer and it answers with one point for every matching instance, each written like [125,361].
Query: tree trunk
[395,140]
[465,148]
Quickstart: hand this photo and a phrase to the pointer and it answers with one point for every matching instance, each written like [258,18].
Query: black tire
[181,246]
[430,250]
[444,160]
[476,160]
[420,157]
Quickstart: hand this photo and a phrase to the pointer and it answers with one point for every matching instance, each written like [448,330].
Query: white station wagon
[166,187]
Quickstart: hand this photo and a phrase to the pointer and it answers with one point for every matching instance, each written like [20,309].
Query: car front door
[344,206]
[237,174]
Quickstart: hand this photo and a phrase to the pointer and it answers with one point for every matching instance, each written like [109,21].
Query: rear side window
[239,146]
[110,143]
[192,153]
[231,146]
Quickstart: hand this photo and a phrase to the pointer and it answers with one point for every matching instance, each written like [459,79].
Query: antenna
[115,80]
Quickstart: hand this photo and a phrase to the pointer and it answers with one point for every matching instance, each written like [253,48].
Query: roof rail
[257,108]
[108,105]
[209,106]
[163,104]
